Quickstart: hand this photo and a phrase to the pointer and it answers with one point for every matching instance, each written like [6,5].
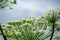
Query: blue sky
[27,8]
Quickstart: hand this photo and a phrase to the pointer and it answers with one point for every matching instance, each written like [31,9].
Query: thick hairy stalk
[2,33]
[53,27]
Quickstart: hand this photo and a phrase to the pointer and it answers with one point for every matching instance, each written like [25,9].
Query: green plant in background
[7,3]
[52,17]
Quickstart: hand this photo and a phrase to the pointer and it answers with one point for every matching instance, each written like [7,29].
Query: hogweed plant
[33,28]
[25,29]
[52,17]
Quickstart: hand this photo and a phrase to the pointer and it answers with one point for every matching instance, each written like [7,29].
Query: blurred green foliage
[7,3]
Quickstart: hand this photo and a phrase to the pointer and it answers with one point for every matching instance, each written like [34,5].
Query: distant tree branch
[7,3]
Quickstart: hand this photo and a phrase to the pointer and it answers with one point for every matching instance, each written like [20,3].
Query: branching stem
[2,33]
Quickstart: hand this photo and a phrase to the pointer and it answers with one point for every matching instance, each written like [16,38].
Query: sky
[27,8]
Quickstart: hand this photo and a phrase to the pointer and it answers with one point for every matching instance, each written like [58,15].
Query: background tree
[7,3]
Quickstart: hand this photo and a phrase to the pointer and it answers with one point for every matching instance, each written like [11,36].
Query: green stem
[57,39]
[2,33]
[53,27]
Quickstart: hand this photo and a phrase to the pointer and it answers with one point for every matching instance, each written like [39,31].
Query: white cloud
[35,7]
